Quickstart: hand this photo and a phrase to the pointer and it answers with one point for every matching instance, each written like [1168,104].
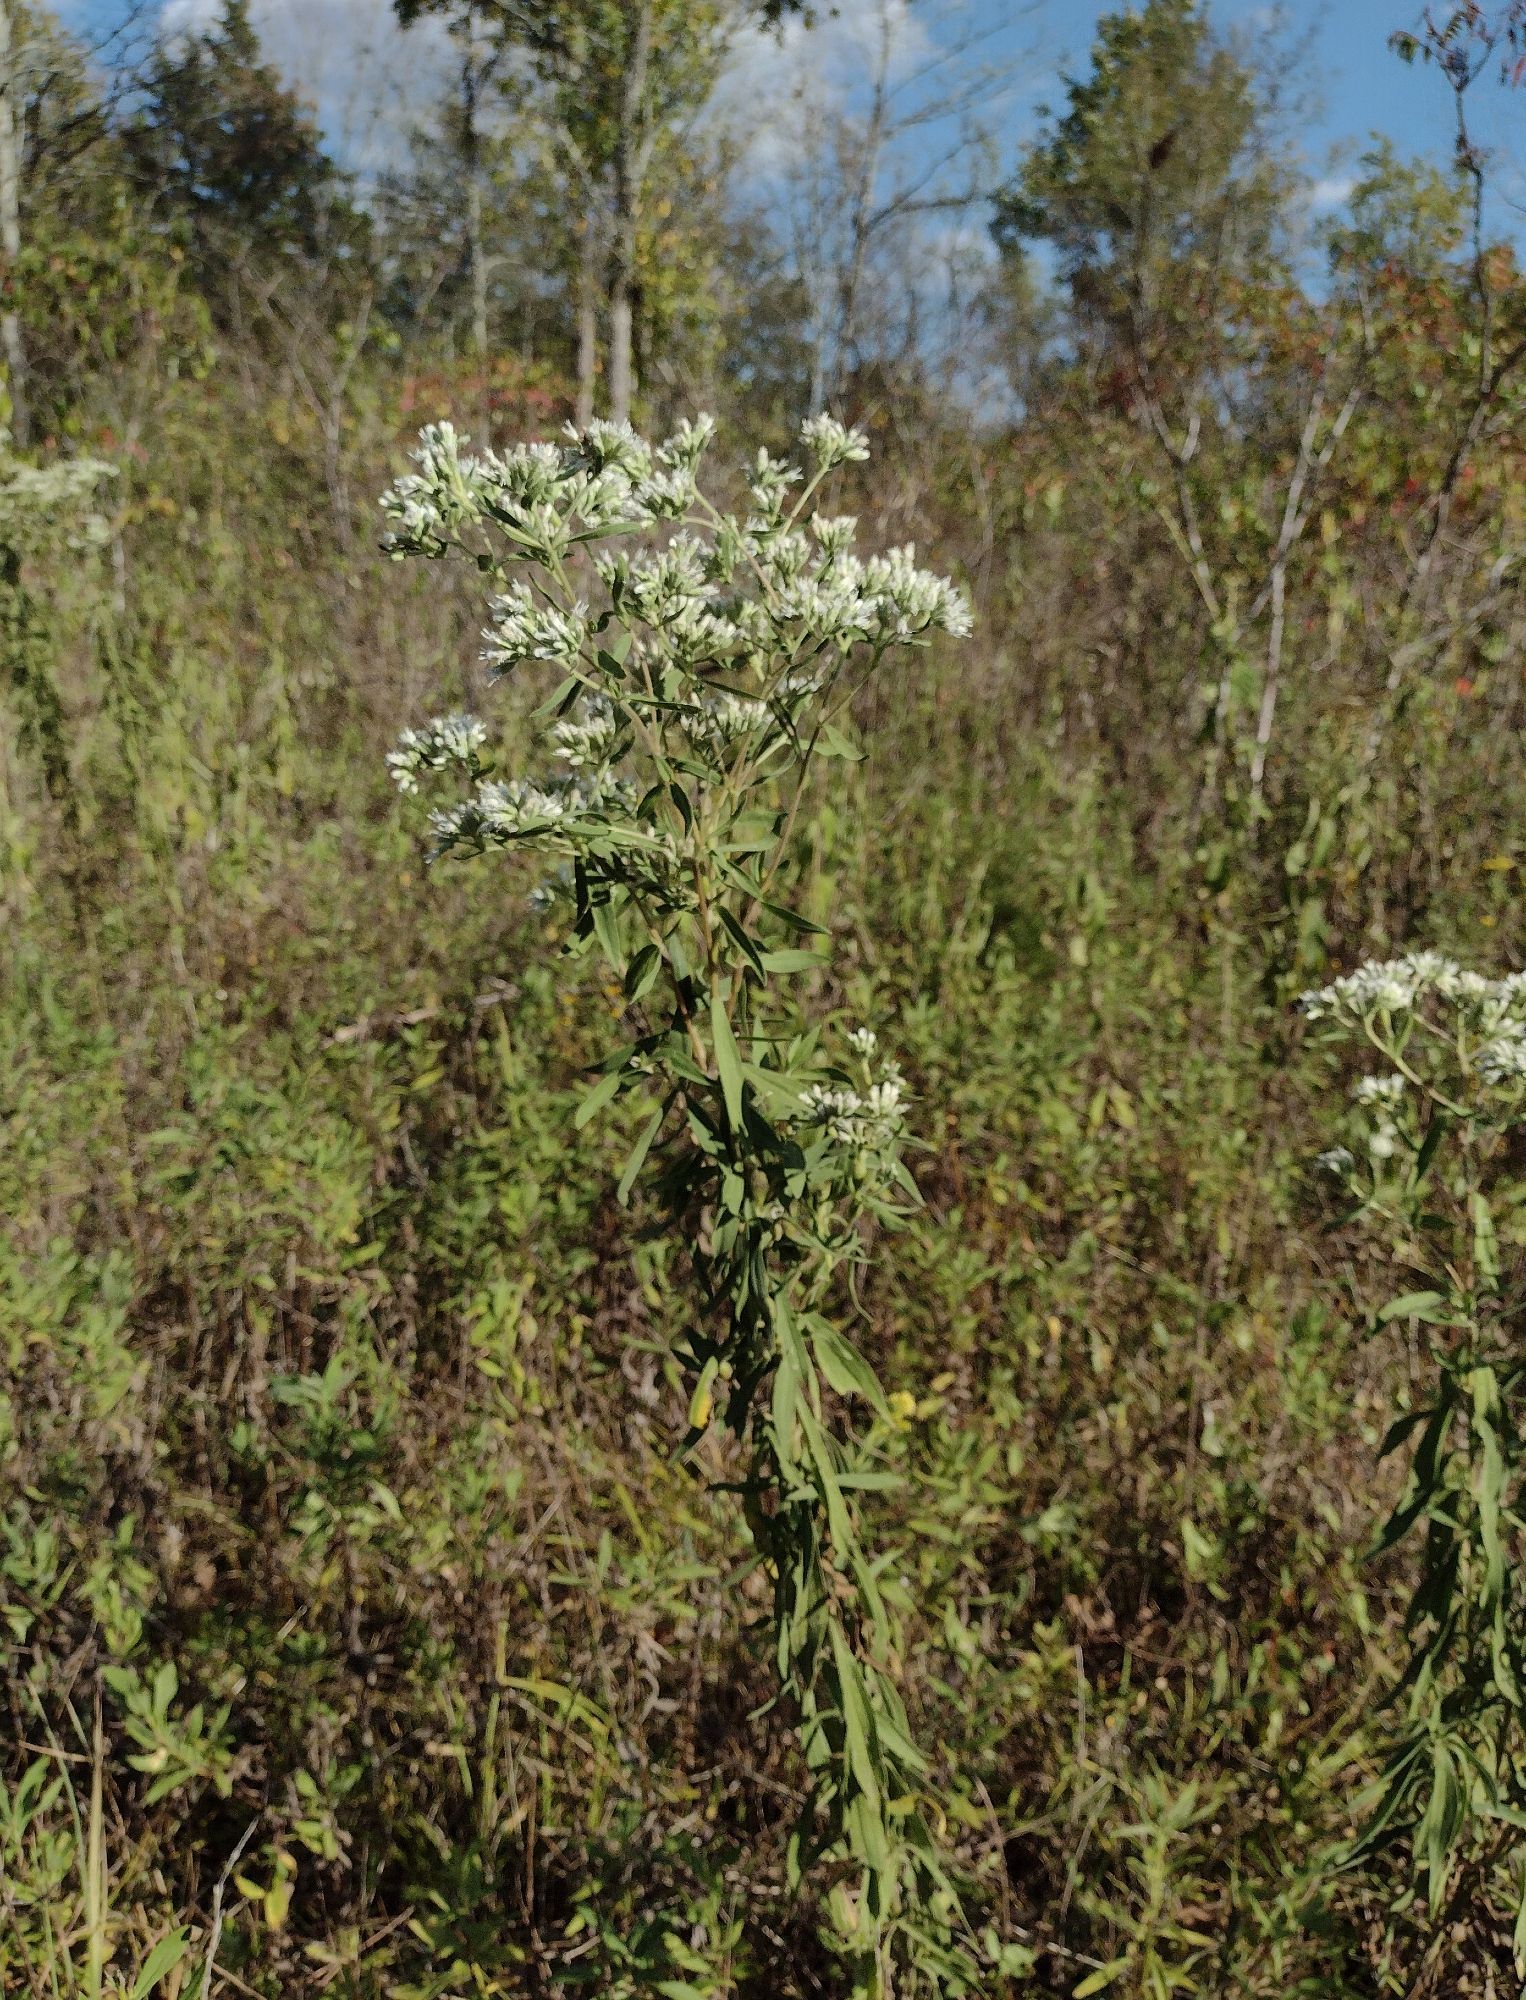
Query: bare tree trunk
[588,321]
[818,390]
[629,164]
[863,192]
[471,148]
[10,223]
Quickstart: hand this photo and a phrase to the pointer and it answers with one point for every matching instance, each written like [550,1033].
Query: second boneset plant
[1433,1171]
[701,663]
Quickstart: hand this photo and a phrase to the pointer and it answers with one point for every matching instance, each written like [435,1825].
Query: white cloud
[779,86]
[1331,192]
[367,78]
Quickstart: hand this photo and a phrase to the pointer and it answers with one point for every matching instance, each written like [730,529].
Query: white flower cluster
[726,630]
[522,629]
[588,738]
[1338,1160]
[860,1121]
[1398,985]
[726,718]
[51,507]
[831,443]
[835,533]
[601,478]
[658,586]
[741,594]
[1493,1011]
[506,810]
[449,741]
[1379,1090]
[1502,1059]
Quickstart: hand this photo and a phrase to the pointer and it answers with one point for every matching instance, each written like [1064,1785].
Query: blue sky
[1357,84]
[348,56]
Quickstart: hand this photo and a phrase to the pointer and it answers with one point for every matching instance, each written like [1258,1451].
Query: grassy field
[344,1529]
[377,1618]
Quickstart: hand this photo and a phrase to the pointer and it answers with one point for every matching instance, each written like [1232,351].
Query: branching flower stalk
[704,663]
[1433,1164]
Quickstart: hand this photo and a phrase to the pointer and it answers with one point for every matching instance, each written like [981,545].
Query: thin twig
[217,1905]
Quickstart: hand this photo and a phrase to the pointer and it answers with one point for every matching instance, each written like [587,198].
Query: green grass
[336,1410]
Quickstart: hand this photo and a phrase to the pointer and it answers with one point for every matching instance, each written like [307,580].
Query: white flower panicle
[570,809]
[1396,991]
[870,1120]
[1455,1034]
[540,494]
[51,507]
[913,601]
[1503,1058]
[659,587]
[797,589]
[832,444]
[729,635]
[724,719]
[1398,985]
[1384,1090]
[769,483]
[446,742]
[835,533]
[522,630]
[588,738]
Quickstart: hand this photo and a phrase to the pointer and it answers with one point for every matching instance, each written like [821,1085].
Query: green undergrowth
[342,1530]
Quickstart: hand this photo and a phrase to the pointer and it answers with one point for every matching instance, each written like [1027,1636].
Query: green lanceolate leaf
[606,928]
[642,973]
[727,1060]
[636,1159]
[858,1722]
[1438,1829]
[743,943]
[1414,1305]
[604,1091]
[840,1362]
[161,1961]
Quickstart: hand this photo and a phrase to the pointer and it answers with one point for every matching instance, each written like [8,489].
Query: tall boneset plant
[703,662]
[1433,1167]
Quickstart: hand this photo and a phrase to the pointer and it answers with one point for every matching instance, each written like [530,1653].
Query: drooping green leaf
[848,1372]
[603,1092]
[636,1158]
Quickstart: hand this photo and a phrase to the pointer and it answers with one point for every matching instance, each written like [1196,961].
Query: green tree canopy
[231,160]
[1154,186]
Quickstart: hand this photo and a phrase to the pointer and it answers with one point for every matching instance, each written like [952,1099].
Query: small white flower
[832,443]
[1379,1090]
[587,738]
[769,485]
[523,629]
[834,533]
[447,740]
[608,445]
[1503,1059]
[726,718]
[687,446]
